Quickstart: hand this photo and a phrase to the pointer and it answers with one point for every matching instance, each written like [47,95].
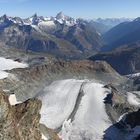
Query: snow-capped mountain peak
[63,19]
[33,20]
[60,15]
[137,19]
[4,18]
[5,21]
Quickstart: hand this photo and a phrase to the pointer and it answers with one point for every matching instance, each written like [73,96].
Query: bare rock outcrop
[19,122]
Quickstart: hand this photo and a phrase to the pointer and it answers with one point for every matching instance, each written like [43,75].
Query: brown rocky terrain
[21,122]
[117,104]
[33,79]
[8,126]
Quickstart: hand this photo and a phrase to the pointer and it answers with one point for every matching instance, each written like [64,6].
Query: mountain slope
[124,60]
[112,22]
[40,75]
[123,34]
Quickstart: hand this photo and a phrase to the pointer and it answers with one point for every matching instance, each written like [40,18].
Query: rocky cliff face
[20,122]
[8,126]
[117,104]
[123,114]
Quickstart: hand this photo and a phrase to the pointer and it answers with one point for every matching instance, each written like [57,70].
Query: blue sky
[76,8]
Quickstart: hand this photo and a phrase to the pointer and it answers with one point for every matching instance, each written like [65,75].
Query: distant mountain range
[122,34]
[112,22]
[69,38]
[121,47]
[62,36]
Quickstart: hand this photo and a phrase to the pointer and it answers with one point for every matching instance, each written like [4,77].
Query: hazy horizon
[24,17]
[87,9]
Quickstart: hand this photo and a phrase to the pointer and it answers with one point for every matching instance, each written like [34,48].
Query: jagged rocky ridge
[61,36]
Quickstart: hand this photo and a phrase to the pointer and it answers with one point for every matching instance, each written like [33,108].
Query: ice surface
[8,64]
[90,119]
[59,102]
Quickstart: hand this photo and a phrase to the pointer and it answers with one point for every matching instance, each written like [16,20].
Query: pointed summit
[35,15]
[35,19]
[64,19]
[5,21]
[4,17]
[60,15]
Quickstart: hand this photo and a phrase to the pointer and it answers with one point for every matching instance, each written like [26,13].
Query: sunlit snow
[44,138]
[13,100]
[133,99]
[8,64]
[59,102]
[90,119]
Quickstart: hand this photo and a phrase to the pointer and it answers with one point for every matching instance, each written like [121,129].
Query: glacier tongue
[60,100]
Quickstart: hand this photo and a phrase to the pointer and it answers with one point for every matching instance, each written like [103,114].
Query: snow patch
[8,64]
[13,100]
[47,23]
[44,138]
[133,75]
[133,99]
[3,74]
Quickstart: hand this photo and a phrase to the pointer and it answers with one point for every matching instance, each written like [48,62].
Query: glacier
[8,64]
[78,119]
